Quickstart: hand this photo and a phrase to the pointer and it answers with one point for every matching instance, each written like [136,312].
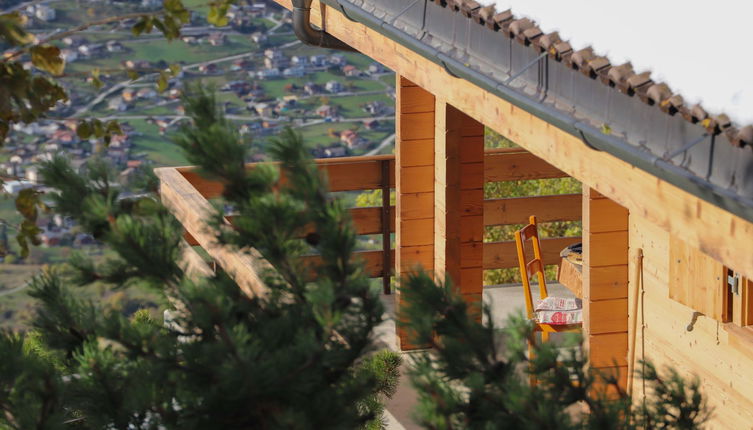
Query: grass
[158,148]
[352,106]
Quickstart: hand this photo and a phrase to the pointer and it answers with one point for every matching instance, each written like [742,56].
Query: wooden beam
[414,182]
[458,168]
[343,174]
[605,280]
[372,261]
[518,166]
[193,210]
[503,255]
[516,210]
[716,232]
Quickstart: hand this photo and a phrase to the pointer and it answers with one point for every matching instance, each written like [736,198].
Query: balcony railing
[187,194]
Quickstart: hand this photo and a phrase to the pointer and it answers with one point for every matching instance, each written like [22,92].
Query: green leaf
[99,130]
[28,232]
[175,69]
[95,78]
[113,127]
[218,15]
[83,130]
[47,58]
[12,29]
[143,26]
[26,203]
[162,82]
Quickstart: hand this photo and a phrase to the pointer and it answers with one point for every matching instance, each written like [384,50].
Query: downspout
[308,34]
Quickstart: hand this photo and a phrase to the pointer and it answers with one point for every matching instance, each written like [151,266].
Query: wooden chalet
[666,205]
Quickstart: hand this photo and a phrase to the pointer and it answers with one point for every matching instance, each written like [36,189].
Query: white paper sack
[559,304]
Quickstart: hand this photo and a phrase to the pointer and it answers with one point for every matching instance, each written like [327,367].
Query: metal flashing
[610,107]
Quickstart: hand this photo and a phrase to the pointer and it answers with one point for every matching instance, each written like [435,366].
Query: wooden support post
[414,180]
[458,201]
[386,235]
[605,283]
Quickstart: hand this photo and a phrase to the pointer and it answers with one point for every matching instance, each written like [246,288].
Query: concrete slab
[505,301]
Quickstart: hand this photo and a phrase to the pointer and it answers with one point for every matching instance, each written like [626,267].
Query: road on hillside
[124,84]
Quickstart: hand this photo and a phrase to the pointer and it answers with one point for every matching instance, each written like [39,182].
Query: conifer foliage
[297,357]
[477,376]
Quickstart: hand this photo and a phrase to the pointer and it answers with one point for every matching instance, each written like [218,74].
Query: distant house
[64,137]
[137,64]
[335,151]
[14,187]
[74,41]
[337,60]
[326,111]
[45,13]
[375,107]
[32,174]
[68,55]
[349,138]
[371,124]
[351,71]
[311,88]
[273,53]
[217,39]
[333,87]
[193,39]
[277,62]
[300,60]
[208,68]
[375,68]
[114,46]
[146,93]
[259,38]
[91,49]
[319,60]
[294,72]
[117,104]
[263,109]
[128,94]
[151,3]
[51,237]
[242,64]
[267,73]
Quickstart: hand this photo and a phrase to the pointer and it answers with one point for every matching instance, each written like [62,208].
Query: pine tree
[477,376]
[297,357]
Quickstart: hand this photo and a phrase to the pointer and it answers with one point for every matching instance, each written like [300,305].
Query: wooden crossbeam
[503,255]
[516,210]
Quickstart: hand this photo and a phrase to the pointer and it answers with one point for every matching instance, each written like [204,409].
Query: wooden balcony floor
[505,300]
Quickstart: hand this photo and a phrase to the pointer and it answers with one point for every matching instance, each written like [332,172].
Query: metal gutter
[592,136]
[308,34]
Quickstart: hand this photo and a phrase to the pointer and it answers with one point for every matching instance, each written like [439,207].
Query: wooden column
[458,201]
[414,183]
[605,282]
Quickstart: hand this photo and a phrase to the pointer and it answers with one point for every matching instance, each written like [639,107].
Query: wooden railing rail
[186,193]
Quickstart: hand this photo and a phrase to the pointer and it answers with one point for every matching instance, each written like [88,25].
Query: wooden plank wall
[697,280]
[605,282]
[459,199]
[720,354]
[414,170]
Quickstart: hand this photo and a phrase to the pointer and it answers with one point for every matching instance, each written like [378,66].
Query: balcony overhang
[621,118]
[711,208]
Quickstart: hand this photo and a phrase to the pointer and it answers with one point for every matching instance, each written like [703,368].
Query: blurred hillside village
[343,104]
